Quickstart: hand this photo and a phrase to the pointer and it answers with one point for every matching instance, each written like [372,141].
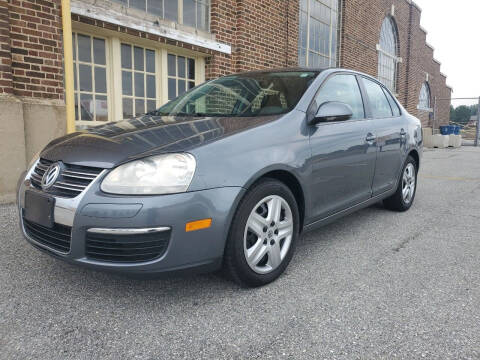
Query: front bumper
[95,211]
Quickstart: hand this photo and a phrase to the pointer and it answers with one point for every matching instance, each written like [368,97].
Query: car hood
[109,145]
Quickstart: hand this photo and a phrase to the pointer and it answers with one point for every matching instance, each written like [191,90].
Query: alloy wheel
[408,183]
[268,234]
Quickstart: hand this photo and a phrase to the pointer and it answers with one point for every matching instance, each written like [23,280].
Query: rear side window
[343,88]
[378,101]
[393,103]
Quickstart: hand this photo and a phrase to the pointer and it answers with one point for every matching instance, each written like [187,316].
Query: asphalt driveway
[375,284]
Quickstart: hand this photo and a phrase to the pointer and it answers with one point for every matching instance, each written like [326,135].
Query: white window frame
[420,106]
[78,92]
[113,41]
[332,61]
[396,59]
[179,11]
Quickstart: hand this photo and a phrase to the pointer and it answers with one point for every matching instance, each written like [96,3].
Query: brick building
[131,56]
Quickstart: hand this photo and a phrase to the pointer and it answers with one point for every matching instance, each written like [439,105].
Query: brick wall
[6,83]
[360,34]
[36,48]
[262,33]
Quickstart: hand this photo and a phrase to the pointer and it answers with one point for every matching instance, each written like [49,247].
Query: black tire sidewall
[240,270]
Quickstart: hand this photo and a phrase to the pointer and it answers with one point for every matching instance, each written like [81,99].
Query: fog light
[198,225]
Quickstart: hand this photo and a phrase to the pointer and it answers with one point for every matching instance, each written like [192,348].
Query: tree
[462,114]
[453,114]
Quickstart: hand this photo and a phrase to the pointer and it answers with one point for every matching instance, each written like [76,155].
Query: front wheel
[403,198]
[262,237]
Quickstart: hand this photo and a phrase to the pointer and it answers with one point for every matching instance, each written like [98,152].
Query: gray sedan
[229,174]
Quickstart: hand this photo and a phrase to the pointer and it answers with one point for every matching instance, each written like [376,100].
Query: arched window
[388,54]
[424,98]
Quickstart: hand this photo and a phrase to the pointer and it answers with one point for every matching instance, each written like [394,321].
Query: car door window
[393,103]
[378,101]
[343,88]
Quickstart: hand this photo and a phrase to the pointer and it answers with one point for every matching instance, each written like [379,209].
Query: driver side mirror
[332,111]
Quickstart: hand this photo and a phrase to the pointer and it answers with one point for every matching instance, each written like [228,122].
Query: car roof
[305,69]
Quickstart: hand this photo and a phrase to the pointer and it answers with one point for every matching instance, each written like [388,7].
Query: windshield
[250,94]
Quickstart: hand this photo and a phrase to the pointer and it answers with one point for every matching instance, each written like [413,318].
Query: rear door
[343,155]
[389,132]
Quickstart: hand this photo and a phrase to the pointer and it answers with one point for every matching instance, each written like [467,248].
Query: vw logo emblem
[50,176]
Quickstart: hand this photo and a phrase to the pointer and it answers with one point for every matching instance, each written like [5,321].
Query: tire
[261,242]
[408,179]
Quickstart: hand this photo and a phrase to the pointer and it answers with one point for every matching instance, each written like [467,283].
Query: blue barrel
[444,130]
[457,130]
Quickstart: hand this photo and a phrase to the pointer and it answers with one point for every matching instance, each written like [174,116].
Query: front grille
[72,181]
[126,248]
[57,238]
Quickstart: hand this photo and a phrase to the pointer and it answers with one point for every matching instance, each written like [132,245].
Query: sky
[453,29]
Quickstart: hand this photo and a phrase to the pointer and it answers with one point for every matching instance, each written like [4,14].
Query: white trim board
[115,17]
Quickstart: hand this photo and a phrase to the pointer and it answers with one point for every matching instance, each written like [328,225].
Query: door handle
[370,138]
[403,133]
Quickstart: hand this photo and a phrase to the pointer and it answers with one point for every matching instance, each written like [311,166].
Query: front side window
[243,95]
[343,88]
[138,80]
[424,98]
[388,54]
[194,13]
[379,104]
[317,45]
[90,79]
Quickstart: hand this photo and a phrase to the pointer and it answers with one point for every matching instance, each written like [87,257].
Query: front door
[343,153]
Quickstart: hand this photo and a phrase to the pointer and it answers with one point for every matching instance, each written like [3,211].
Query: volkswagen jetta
[228,174]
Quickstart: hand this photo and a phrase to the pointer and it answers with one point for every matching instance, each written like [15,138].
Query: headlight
[155,175]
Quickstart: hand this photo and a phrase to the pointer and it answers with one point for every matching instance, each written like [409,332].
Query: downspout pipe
[68,65]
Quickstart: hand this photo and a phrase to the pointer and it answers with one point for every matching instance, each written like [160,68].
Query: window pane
[127,83]
[126,56]
[139,85]
[99,51]
[139,107]
[86,106]
[138,58]
[202,16]
[343,88]
[155,7]
[84,48]
[76,107]
[100,80]
[189,12]
[191,84]
[127,108]
[85,72]
[172,89]
[191,69]
[181,66]
[378,102]
[151,105]
[74,47]
[151,86]
[138,4]
[181,87]
[150,60]
[171,10]
[75,83]
[101,108]
[171,65]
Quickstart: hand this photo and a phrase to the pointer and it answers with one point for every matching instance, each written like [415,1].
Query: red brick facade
[360,32]
[263,34]
[36,48]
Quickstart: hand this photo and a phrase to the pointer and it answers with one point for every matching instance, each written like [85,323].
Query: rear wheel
[403,198]
[262,237]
